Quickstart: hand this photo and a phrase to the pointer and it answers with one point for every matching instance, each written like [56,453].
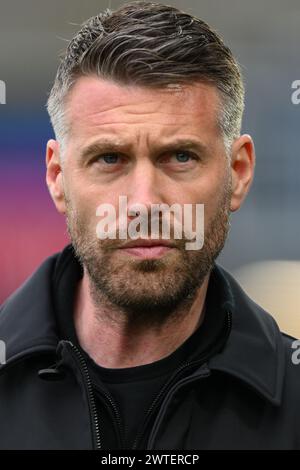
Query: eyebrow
[100,146]
[111,145]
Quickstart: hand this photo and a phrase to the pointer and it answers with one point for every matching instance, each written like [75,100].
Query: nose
[145,187]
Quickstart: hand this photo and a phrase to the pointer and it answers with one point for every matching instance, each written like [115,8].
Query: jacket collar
[27,322]
[253,352]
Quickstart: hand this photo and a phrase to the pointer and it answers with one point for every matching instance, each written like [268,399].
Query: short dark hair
[152,45]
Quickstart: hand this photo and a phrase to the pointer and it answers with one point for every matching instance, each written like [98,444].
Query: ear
[242,169]
[54,177]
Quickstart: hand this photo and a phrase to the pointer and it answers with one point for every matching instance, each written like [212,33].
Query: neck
[105,333]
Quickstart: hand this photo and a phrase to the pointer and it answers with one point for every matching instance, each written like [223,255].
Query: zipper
[119,422]
[205,373]
[92,403]
[90,395]
[169,384]
[163,391]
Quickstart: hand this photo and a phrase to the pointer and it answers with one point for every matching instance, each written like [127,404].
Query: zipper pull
[52,373]
[56,371]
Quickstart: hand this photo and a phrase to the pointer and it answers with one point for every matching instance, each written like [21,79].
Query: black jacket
[244,397]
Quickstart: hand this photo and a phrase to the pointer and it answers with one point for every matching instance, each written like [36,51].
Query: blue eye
[183,157]
[110,158]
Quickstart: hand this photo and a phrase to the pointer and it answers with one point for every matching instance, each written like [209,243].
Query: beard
[147,291]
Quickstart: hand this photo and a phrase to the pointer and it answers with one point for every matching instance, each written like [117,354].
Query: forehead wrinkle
[123,127]
[130,120]
[134,123]
[136,112]
[132,108]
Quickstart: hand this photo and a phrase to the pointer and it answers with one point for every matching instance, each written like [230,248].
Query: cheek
[213,198]
[96,206]
[83,209]
[83,199]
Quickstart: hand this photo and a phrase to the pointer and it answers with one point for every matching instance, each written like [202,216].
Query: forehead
[96,105]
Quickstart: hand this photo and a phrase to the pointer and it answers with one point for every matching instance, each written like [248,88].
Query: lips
[146,248]
[146,242]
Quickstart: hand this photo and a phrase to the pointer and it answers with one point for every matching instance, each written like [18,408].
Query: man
[139,342]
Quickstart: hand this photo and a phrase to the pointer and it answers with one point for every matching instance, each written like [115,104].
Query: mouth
[147,249]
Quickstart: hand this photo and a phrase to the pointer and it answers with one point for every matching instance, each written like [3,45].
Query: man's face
[153,146]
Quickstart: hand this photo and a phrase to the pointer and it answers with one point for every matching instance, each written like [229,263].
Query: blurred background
[262,250]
